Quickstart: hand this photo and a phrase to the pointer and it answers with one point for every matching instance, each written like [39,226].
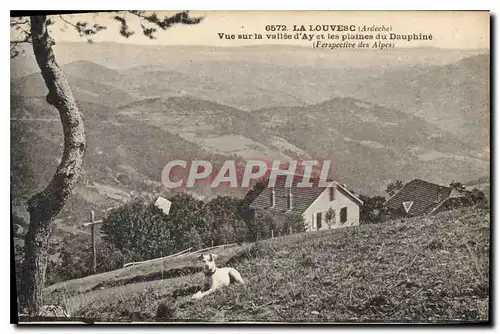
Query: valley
[422,117]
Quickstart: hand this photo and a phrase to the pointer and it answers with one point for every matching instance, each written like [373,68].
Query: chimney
[332,193]
[290,199]
[439,196]
[273,198]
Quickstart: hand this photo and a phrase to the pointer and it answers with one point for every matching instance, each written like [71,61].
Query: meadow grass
[424,269]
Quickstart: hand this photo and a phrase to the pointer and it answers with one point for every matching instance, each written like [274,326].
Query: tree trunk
[44,206]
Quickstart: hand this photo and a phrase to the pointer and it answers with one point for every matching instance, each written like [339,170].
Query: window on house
[332,193]
[318,220]
[343,215]
[407,206]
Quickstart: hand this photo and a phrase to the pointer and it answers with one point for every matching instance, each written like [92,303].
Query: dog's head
[208,262]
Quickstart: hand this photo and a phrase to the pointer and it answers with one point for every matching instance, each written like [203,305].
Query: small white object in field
[315,312]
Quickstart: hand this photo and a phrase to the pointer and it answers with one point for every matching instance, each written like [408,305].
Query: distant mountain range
[456,97]
[421,116]
[174,57]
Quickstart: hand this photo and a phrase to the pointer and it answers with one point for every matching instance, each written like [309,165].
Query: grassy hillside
[351,132]
[85,88]
[455,96]
[322,125]
[116,162]
[433,269]
[345,130]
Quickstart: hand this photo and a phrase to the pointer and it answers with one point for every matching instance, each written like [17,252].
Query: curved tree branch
[61,97]
[44,206]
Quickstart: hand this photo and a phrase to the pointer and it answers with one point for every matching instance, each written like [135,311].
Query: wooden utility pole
[92,224]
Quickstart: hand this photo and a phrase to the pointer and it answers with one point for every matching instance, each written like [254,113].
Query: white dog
[216,277]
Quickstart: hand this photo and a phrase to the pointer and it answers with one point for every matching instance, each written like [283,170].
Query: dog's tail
[235,276]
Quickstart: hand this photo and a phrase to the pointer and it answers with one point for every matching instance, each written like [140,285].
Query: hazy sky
[449,29]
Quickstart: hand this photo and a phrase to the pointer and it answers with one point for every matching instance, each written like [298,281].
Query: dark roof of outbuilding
[425,197]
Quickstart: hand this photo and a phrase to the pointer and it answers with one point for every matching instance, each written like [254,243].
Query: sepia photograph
[256,167]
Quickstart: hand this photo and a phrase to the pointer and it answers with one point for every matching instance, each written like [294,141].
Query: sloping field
[433,269]
[152,271]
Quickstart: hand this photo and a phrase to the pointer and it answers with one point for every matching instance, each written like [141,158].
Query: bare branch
[24,31]
[14,51]
[66,21]
[24,36]
[83,28]
[14,21]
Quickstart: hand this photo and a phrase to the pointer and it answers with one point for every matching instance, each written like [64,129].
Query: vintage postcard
[251,166]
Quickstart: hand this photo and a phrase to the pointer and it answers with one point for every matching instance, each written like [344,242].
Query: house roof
[302,197]
[424,197]
[163,204]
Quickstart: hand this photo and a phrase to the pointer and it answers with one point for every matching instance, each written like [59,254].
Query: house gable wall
[323,203]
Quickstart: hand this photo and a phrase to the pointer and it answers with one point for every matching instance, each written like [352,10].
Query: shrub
[330,216]
[75,259]
[394,187]
[371,212]
[189,228]
[224,222]
[139,229]
[279,222]
[470,198]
